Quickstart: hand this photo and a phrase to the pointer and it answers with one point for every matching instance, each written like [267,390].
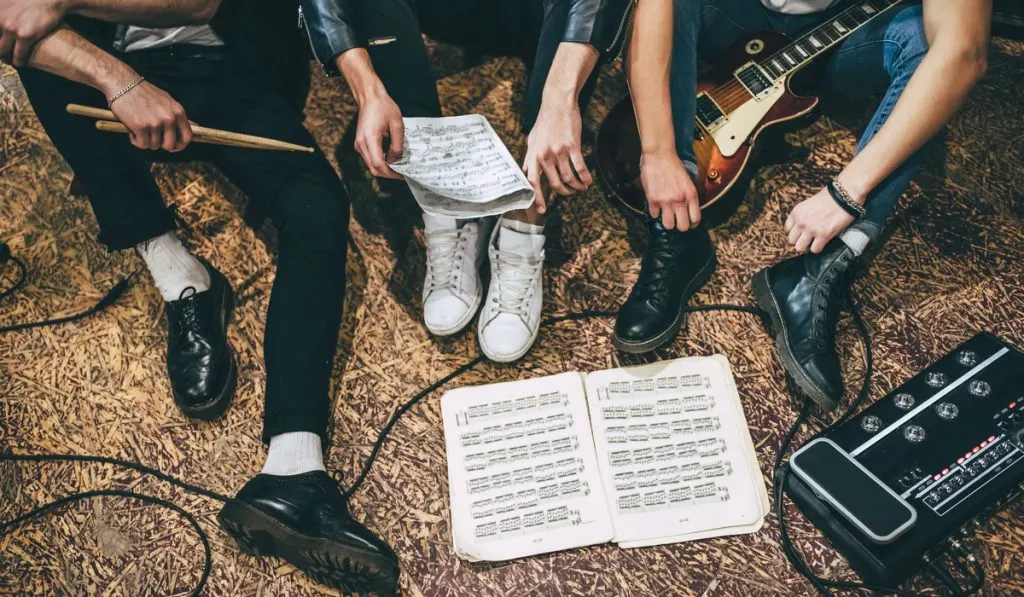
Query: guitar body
[727,149]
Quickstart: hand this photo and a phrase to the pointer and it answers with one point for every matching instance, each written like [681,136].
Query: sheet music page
[522,473]
[458,166]
[676,458]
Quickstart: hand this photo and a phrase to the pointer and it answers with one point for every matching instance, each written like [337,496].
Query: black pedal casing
[950,441]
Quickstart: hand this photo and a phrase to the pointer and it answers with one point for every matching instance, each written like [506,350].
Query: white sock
[294,453]
[526,239]
[173,268]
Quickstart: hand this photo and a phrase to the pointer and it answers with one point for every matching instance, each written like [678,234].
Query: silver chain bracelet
[125,90]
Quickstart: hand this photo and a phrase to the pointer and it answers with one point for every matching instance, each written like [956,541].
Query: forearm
[932,96]
[362,79]
[648,65]
[146,13]
[66,54]
[570,69]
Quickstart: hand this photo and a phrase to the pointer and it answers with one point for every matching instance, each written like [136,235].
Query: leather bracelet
[840,196]
[125,90]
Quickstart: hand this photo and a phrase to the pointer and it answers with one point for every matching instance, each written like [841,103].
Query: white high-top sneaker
[510,316]
[452,290]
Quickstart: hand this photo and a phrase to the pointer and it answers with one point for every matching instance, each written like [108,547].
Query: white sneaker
[451,290]
[510,318]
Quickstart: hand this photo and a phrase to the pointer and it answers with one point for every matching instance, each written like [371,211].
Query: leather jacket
[332,27]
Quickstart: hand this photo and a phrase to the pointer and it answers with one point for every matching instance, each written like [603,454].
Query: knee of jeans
[318,218]
[907,30]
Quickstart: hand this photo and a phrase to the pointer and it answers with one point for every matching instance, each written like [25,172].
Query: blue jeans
[880,57]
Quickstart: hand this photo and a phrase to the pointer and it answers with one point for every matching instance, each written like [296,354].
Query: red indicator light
[960,461]
[1013,405]
[945,471]
[937,477]
[975,451]
[984,443]
[991,437]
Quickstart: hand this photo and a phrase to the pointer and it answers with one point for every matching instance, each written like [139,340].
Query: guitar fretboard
[824,37]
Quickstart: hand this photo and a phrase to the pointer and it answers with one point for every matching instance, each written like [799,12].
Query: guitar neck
[825,36]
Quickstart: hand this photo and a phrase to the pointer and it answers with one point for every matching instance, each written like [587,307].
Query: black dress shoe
[304,519]
[675,265]
[802,295]
[199,360]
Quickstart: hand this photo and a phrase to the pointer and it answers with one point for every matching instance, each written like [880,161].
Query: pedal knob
[967,358]
[714,176]
[936,379]
[979,388]
[904,401]
[914,434]
[871,423]
[947,411]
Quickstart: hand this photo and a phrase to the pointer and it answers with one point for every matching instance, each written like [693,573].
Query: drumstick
[201,134]
[117,127]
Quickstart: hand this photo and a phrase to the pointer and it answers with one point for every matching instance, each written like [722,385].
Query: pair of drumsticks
[106,121]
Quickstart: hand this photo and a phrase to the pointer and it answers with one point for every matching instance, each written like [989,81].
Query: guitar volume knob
[714,176]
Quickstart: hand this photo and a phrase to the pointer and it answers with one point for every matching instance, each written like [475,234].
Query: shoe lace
[444,266]
[831,294]
[657,268]
[514,276]
[189,315]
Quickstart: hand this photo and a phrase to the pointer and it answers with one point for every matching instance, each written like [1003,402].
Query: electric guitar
[746,93]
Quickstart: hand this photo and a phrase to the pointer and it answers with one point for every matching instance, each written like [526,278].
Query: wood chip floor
[954,265]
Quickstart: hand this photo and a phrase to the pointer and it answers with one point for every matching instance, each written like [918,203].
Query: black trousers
[300,192]
[497,27]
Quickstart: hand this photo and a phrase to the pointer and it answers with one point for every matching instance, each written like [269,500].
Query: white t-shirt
[133,39]
[798,7]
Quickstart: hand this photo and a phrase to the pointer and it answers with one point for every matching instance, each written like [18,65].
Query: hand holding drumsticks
[175,137]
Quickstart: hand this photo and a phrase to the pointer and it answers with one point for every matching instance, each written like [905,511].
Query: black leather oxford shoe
[199,360]
[803,296]
[675,265]
[304,519]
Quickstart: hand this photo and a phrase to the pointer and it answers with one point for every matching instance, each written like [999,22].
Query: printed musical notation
[458,166]
[522,468]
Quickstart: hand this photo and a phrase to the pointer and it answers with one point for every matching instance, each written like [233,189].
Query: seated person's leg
[131,213]
[804,294]
[293,509]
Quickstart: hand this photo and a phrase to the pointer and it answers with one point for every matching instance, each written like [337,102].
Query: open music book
[458,166]
[641,456]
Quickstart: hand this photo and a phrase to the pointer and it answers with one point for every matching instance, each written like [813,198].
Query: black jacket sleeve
[330,27]
[603,24]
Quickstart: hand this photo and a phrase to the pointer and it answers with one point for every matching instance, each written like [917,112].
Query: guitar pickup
[709,115]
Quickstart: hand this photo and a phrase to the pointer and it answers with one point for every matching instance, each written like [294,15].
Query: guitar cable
[779,473]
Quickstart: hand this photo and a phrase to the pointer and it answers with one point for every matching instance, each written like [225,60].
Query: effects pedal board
[911,475]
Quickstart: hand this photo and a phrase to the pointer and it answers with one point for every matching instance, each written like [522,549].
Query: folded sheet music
[458,166]
[639,456]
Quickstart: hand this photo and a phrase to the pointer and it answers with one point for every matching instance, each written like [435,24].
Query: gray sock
[173,268]
[859,235]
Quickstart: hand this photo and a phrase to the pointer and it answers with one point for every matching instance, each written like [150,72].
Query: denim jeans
[880,57]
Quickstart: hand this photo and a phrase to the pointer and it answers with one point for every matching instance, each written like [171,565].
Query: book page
[674,451]
[522,472]
[458,166]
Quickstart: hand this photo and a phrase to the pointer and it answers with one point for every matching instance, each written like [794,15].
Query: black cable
[22,273]
[109,299]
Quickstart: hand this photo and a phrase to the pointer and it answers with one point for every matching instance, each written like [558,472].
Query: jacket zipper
[625,26]
[309,38]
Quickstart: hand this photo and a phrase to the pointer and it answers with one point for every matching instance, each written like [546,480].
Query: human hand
[379,119]
[23,23]
[815,221]
[155,120]
[670,192]
[554,152]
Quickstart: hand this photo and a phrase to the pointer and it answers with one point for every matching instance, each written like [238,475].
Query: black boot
[675,265]
[304,519]
[199,360]
[803,297]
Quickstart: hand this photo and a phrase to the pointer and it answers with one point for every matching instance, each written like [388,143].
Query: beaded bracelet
[842,197]
[125,90]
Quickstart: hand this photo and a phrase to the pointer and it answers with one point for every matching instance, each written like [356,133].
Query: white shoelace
[443,259]
[514,275]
